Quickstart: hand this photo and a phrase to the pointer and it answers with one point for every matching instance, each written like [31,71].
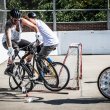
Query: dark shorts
[46,50]
[23,43]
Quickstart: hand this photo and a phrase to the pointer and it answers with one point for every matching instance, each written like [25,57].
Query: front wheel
[16,79]
[20,78]
[104,82]
[47,73]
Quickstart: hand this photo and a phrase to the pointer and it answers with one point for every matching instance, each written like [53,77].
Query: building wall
[72,26]
[93,42]
[79,26]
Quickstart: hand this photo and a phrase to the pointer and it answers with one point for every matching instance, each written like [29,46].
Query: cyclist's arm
[32,20]
[25,22]
[8,34]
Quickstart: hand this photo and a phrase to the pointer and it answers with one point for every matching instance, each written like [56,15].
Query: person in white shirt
[49,38]
[11,39]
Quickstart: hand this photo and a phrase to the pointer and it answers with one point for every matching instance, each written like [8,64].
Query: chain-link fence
[59,23]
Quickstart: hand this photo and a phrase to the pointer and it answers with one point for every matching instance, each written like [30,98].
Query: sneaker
[36,79]
[39,80]
[9,70]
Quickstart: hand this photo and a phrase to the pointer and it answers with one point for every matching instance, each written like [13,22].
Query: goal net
[73,60]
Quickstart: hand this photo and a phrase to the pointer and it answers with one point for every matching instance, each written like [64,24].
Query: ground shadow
[14,97]
[51,92]
[7,92]
[77,101]
[89,82]
[8,95]
[11,97]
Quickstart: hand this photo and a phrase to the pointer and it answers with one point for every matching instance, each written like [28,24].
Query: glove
[10,51]
[37,35]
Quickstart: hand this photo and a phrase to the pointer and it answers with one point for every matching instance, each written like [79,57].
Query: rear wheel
[104,82]
[63,74]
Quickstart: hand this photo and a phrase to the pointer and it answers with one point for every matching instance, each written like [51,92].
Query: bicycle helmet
[31,15]
[15,13]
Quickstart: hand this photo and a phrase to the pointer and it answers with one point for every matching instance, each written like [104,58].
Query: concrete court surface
[87,98]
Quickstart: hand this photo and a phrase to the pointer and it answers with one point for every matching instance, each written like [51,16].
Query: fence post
[108,16]
[54,15]
[4,17]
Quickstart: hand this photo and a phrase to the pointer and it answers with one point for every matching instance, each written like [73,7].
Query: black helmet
[31,15]
[15,13]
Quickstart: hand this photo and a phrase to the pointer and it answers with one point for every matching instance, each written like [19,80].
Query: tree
[64,16]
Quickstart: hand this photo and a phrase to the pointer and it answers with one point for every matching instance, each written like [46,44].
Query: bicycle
[103,82]
[23,74]
[62,71]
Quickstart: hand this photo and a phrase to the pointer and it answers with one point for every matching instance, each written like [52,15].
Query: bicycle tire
[24,81]
[63,74]
[49,76]
[14,83]
[103,82]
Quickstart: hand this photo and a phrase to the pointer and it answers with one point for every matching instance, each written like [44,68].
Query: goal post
[73,60]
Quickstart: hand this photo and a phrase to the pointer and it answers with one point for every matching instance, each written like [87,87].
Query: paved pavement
[87,98]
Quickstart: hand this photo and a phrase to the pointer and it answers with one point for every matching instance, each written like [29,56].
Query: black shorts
[22,43]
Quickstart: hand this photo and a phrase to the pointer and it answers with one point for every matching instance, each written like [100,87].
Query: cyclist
[11,39]
[49,38]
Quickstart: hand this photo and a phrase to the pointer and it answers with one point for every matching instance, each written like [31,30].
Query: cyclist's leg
[9,69]
[14,45]
[46,50]
[24,43]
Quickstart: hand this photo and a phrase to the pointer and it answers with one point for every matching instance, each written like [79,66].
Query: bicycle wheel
[63,74]
[20,79]
[47,73]
[104,82]
[16,80]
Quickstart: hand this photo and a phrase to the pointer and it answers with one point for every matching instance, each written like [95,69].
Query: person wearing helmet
[11,38]
[49,38]
[32,15]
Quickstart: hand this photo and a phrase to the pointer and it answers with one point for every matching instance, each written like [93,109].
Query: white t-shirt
[49,37]
[15,35]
